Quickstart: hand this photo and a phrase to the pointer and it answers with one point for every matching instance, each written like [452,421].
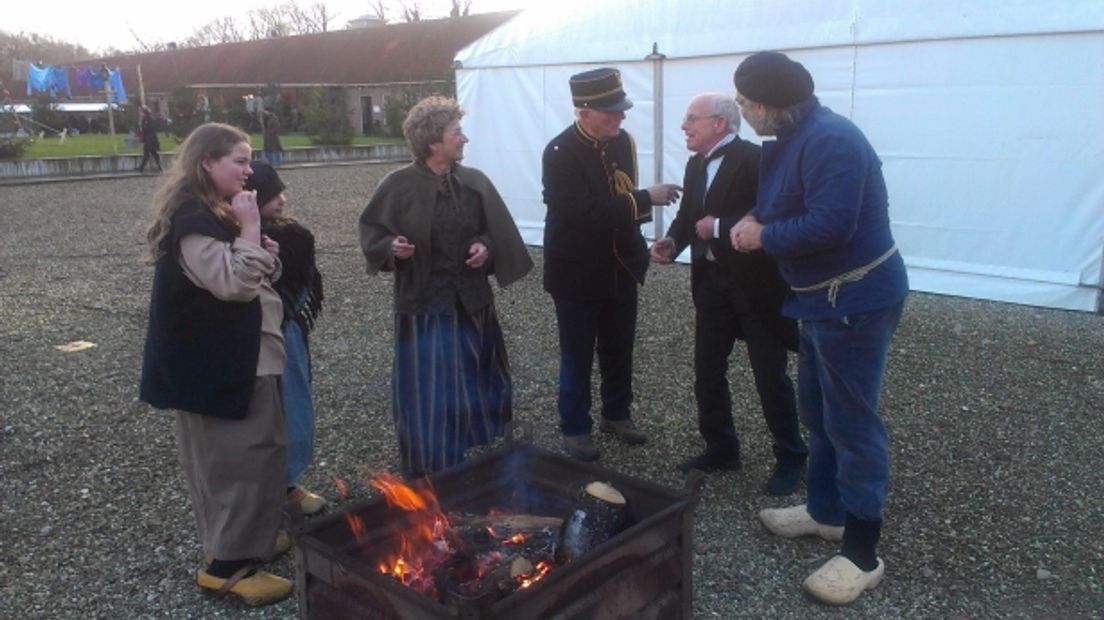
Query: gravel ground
[994,411]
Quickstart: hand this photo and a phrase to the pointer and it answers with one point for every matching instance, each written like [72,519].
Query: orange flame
[535,575]
[357,526]
[421,540]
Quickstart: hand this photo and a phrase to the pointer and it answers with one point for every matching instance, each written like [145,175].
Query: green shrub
[397,106]
[45,112]
[184,112]
[325,118]
[12,147]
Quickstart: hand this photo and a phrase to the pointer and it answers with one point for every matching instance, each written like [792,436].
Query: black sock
[224,569]
[860,541]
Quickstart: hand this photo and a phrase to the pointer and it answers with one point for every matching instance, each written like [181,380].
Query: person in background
[214,354]
[273,149]
[300,289]
[736,295]
[442,229]
[823,215]
[595,257]
[151,144]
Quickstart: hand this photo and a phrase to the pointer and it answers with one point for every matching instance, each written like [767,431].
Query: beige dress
[234,469]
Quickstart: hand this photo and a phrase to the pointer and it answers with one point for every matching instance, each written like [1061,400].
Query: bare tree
[215,32]
[268,23]
[378,8]
[411,10]
[460,7]
[314,18]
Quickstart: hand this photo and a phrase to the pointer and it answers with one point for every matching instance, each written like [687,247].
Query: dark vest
[201,353]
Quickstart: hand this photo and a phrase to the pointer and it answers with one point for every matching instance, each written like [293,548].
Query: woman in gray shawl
[442,229]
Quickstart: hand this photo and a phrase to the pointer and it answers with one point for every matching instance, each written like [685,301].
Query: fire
[421,538]
[356,525]
[425,552]
[538,573]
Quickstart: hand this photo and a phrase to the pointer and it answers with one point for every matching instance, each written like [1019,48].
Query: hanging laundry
[118,92]
[38,79]
[82,78]
[59,77]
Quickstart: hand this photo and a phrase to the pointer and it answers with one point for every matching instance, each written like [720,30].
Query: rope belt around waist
[856,274]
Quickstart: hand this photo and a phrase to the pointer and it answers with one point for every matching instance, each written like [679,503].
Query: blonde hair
[425,123]
[187,180]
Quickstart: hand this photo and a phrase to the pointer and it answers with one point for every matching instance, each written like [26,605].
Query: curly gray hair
[425,123]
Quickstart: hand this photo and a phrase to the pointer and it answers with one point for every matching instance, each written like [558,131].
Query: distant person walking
[273,149]
[150,143]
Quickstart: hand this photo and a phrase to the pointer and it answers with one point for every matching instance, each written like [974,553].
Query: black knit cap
[599,89]
[265,180]
[772,79]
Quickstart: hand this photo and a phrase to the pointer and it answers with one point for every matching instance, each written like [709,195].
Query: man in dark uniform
[736,295]
[595,257]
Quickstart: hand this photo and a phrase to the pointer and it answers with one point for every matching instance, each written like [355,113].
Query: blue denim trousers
[840,368]
[298,403]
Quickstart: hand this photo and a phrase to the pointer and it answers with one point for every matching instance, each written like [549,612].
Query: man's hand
[704,228]
[663,251]
[402,248]
[747,235]
[477,255]
[664,193]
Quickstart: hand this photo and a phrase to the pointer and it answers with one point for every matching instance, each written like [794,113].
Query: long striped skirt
[450,387]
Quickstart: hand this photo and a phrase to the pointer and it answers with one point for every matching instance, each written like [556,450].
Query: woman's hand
[270,245]
[402,248]
[244,207]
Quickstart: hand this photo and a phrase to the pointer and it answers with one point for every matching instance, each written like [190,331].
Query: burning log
[600,512]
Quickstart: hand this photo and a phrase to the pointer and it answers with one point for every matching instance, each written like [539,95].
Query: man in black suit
[595,257]
[736,295]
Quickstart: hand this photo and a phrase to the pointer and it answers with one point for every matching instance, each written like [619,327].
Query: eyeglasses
[693,118]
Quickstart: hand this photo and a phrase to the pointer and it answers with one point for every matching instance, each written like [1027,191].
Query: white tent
[988,116]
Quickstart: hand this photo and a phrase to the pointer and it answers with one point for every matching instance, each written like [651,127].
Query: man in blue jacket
[823,214]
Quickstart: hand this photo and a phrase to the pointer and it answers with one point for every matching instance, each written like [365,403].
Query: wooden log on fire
[512,523]
[526,534]
[600,512]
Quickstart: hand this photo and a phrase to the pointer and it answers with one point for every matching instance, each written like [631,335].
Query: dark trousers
[146,154]
[608,326]
[722,314]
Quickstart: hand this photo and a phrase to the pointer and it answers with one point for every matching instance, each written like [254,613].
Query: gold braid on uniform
[623,184]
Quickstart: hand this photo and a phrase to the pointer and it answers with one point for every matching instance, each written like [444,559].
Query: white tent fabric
[987,116]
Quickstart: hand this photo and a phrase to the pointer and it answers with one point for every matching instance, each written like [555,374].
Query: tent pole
[657,137]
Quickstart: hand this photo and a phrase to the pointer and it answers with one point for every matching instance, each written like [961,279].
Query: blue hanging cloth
[59,78]
[118,92]
[95,79]
[38,80]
